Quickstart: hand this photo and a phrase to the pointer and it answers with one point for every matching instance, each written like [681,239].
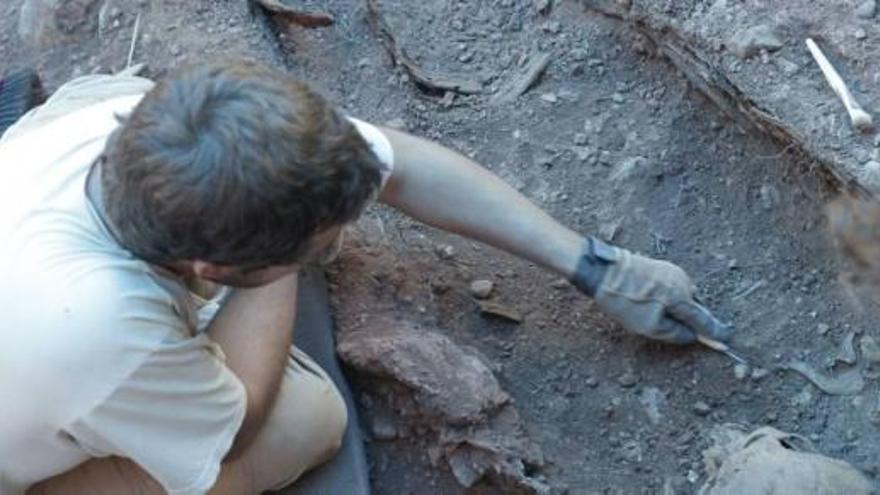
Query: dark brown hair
[233,163]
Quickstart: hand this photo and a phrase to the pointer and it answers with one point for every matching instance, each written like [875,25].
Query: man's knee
[334,419]
[305,428]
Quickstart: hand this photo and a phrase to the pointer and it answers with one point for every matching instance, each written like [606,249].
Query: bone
[860,119]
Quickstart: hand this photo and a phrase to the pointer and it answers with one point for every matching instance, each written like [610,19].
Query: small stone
[543,6]
[583,153]
[759,373]
[482,289]
[823,328]
[860,34]
[867,9]
[617,98]
[751,41]
[701,408]
[787,66]
[396,123]
[501,311]
[741,371]
[869,175]
[445,251]
[770,196]
[580,139]
[591,382]
[628,168]
[628,379]
[382,427]
[870,349]
[466,57]
[549,97]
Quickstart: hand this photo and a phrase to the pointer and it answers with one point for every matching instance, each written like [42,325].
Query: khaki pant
[304,429]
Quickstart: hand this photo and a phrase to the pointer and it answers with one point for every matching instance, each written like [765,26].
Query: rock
[482,289]
[543,6]
[701,408]
[751,41]
[741,371]
[580,139]
[628,168]
[445,251]
[823,328]
[869,175]
[870,349]
[788,67]
[447,382]
[866,9]
[451,398]
[46,23]
[498,310]
[591,382]
[549,97]
[770,461]
[396,123]
[382,426]
[609,230]
[654,400]
[628,379]
[770,197]
[860,34]
[847,353]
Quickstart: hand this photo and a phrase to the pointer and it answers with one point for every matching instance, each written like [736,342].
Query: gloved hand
[650,297]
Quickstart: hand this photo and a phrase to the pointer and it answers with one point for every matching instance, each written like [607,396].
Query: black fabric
[592,266]
[347,473]
[19,92]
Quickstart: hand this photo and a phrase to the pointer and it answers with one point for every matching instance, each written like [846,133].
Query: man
[125,205]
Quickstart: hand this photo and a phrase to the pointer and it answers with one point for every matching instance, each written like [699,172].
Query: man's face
[319,247]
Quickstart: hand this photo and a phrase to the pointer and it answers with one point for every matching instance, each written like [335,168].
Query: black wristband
[593,265]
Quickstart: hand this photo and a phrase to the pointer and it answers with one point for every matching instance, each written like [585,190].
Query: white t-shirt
[101,354]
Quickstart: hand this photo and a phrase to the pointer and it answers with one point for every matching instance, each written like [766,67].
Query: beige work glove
[649,297]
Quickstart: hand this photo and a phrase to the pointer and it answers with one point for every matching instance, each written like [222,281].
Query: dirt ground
[611,141]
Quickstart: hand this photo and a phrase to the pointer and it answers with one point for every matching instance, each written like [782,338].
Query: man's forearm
[255,330]
[447,190]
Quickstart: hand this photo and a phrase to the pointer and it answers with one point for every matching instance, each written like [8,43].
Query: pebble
[823,328]
[549,97]
[628,379]
[770,196]
[382,427]
[482,289]
[870,349]
[445,251]
[396,123]
[866,9]
[860,34]
[741,371]
[752,40]
[869,175]
[759,373]
[580,139]
[701,408]
[787,66]
[591,382]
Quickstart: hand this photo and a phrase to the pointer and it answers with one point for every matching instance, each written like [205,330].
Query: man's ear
[210,271]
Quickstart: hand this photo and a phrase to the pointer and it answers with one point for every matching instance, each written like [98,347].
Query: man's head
[233,166]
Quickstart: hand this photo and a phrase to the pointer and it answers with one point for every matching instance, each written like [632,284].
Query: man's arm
[442,188]
[255,330]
